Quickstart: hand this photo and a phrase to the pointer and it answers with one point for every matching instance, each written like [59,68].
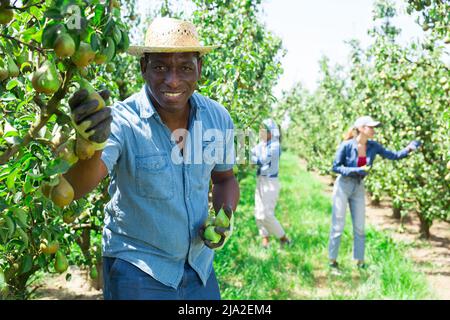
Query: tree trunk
[396,213]
[374,200]
[425,225]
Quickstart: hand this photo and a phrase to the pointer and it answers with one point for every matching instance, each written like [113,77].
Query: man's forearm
[85,175]
[226,193]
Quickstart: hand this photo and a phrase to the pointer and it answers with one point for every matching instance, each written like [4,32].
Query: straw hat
[170,35]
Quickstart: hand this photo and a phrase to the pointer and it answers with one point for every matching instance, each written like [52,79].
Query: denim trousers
[124,281]
[351,191]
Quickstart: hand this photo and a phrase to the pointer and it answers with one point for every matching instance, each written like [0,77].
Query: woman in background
[266,155]
[353,160]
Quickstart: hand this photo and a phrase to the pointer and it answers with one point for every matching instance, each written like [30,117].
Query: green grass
[246,271]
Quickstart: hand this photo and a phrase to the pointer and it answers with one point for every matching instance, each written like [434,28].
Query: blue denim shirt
[158,205]
[268,160]
[346,159]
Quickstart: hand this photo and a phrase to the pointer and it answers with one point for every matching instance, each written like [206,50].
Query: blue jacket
[346,160]
[268,161]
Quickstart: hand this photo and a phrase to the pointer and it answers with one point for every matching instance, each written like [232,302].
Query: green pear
[49,247]
[62,194]
[84,149]
[107,53]
[6,15]
[4,73]
[61,263]
[83,56]
[64,46]
[69,217]
[222,219]
[93,95]
[46,79]
[12,67]
[212,235]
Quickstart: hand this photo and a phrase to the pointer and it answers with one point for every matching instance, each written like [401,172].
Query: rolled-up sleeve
[114,145]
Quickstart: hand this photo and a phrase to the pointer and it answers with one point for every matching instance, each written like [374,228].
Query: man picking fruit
[155,243]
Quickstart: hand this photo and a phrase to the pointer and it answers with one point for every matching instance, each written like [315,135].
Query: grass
[246,271]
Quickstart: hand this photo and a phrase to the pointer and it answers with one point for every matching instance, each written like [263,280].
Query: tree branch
[39,4]
[23,43]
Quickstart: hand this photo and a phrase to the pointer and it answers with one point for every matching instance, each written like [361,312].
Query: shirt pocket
[154,177]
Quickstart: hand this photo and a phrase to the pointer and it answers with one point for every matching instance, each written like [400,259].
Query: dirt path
[79,287]
[431,256]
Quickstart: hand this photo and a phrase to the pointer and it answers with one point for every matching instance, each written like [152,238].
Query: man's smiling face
[172,78]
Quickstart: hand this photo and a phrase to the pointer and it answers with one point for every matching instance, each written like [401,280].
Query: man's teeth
[176,94]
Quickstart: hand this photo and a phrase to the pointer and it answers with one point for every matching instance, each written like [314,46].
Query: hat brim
[140,50]
[374,124]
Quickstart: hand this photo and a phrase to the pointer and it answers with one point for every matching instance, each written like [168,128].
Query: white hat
[272,126]
[366,121]
[170,35]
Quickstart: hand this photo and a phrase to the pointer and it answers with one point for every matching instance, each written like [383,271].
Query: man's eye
[187,68]
[159,68]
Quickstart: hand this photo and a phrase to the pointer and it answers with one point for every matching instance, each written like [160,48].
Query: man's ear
[143,63]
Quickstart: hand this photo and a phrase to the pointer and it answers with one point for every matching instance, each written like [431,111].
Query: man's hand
[218,229]
[94,126]
[413,145]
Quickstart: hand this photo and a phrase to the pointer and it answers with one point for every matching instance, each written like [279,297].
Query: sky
[312,29]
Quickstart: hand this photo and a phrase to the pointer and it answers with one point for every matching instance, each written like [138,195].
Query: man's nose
[172,78]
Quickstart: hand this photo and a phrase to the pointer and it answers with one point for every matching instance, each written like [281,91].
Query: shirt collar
[146,108]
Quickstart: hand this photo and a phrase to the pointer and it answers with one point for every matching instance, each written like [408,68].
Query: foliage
[407,89]
[35,233]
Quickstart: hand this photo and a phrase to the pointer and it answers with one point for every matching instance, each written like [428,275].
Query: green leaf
[26,263]
[54,14]
[28,185]
[12,179]
[56,167]
[12,84]
[95,42]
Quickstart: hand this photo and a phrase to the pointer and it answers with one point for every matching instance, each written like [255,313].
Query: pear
[6,15]
[4,73]
[49,248]
[212,235]
[93,95]
[84,149]
[61,263]
[64,46]
[222,219]
[83,56]
[3,284]
[12,67]
[46,79]
[62,194]
[124,43]
[69,217]
[107,53]
[51,33]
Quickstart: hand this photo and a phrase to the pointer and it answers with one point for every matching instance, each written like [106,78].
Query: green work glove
[90,117]
[218,228]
